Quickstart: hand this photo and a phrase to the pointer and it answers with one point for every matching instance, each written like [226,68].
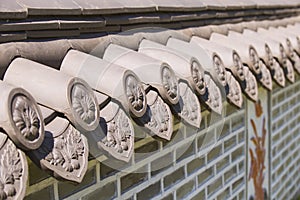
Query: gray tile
[7,53]
[35,51]
[132,19]
[179,5]
[12,36]
[12,10]
[29,25]
[52,33]
[75,23]
[53,7]
[100,7]
[138,5]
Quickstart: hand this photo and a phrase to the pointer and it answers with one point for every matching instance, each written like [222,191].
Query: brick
[177,136]
[161,164]
[195,165]
[237,122]
[239,183]
[36,174]
[275,162]
[66,189]
[276,138]
[214,153]
[108,191]
[231,142]
[230,174]
[45,194]
[280,123]
[224,195]
[242,195]
[237,153]
[184,190]
[174,177]
[230,109]
[149,192]
[215,186]
[205,140]
[192,131]
[106,171]
[147,149]
[280,97]
[169,197]
[276,113]
[200,195]
[131,180]
[222,164]
[205,176]
[185,151]
[242,166]
[225,130]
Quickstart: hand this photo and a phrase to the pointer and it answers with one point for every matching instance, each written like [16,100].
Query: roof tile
[12,10]
[53,7]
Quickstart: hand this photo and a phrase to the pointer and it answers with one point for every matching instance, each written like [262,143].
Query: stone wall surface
[149,99]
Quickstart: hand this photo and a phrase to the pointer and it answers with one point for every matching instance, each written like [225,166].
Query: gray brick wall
[208,163]
[285,126]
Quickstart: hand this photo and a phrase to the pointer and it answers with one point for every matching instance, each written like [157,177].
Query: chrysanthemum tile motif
[287,65]
[83,104]
[238,66]
[260,68]
[170,84]
[293,55]
[251,88]
[64,151]
[25,118]
[26,122]
[274,67]
[219,69]
[119,141]
[135,95]
[198,78]
[13,171]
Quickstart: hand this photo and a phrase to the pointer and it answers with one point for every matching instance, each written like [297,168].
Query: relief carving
[67,151]
[260,68]
[135,94]
[13,172]
[158,117]
[21,118]
[235,93]
[198,78]
[25,118]
[119,141]
[256,63]
[83,104]
[287,65]
[293,55]
[251,88]
[266,78]
[214,98]
[274,67]
[64,152]
[220,70]
[170,83]
[188,107]
[238,64]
